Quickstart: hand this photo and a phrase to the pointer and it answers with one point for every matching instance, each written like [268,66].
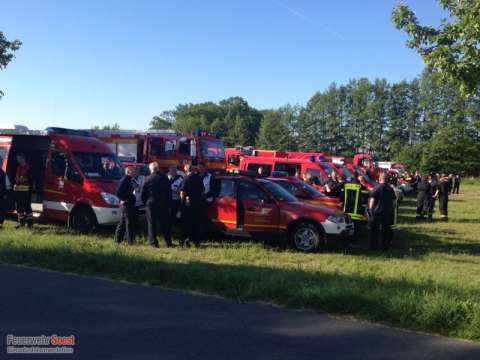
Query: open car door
[223,211]
[257,211]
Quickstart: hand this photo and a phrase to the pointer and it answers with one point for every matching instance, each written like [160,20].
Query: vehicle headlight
[110,199]
[337,219]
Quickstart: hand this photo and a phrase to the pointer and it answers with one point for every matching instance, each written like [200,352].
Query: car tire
[83,220]
[306,237]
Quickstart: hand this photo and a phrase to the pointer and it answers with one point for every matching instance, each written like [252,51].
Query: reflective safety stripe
[21,187]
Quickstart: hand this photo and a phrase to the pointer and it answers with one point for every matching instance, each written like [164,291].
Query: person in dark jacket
[157,197]
[432,180]
[127,226]
[456,184]
[192,201]
[443,189]
[423,197]
[381,209]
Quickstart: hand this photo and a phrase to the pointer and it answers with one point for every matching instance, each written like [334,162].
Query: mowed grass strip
[430,281]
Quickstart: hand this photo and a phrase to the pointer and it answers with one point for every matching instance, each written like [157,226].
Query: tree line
[425,123]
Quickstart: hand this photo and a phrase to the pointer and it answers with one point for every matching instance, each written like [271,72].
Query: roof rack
[120,132]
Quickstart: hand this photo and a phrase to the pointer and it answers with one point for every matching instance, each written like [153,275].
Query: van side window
[227,188]
[59,163]
[250,191]
[290,169]
[267,169]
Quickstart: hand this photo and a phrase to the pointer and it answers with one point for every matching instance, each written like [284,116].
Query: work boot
[29,223]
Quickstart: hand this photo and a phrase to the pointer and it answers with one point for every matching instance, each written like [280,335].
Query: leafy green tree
[274,133]
[451,49]
[7,52]
[165,120]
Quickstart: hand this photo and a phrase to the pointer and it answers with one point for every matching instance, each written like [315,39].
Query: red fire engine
[73,176]
[167,147]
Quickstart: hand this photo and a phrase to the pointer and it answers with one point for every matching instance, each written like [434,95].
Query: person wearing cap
[4,189]
[157,197]
[23,200]
[126,228]
[192,200]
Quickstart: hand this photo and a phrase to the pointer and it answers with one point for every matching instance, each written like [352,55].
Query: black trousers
[381,224]
[423,204]
[192,219]
[23,203]
[443,205]
[158,218]
[127,226]
[431,207]
[456,188]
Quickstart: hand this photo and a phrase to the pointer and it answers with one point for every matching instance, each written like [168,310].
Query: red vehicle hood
[306,209]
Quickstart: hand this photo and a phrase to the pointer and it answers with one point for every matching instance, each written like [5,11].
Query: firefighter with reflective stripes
[21,189]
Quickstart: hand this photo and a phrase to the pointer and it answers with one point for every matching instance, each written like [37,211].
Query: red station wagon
[247,206]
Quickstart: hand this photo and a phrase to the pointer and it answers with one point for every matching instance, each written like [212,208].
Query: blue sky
[88,62]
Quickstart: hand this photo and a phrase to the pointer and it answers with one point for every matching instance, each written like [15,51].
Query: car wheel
[306,237]
[83,220]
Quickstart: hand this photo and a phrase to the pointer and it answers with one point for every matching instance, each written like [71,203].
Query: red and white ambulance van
[73,175]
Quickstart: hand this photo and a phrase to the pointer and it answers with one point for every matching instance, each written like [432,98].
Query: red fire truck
[167,147]
[73,176]
[251,160]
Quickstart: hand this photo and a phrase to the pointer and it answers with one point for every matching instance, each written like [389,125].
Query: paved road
[113,320]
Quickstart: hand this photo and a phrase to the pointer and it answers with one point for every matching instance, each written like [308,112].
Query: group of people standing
[176,197]
[432,187]
[21,192]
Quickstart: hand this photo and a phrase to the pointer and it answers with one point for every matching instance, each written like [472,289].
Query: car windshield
[278,192]
[212,149]
[328,170]
[312,190]
[99,166]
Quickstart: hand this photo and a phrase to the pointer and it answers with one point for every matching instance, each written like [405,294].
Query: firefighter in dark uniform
[157,197]
[456,184]
[4,189]
[23,198]
[432,180]
[192,200]
[423,197]
[127,226]
[443,188]
[380,205]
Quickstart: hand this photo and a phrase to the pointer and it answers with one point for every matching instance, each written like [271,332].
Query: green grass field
[430,281]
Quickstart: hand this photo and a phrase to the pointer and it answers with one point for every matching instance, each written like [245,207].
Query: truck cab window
[170,147]
[156,147]
[251,191]
[184,147]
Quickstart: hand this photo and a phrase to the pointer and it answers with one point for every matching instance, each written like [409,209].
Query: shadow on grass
[420,305]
